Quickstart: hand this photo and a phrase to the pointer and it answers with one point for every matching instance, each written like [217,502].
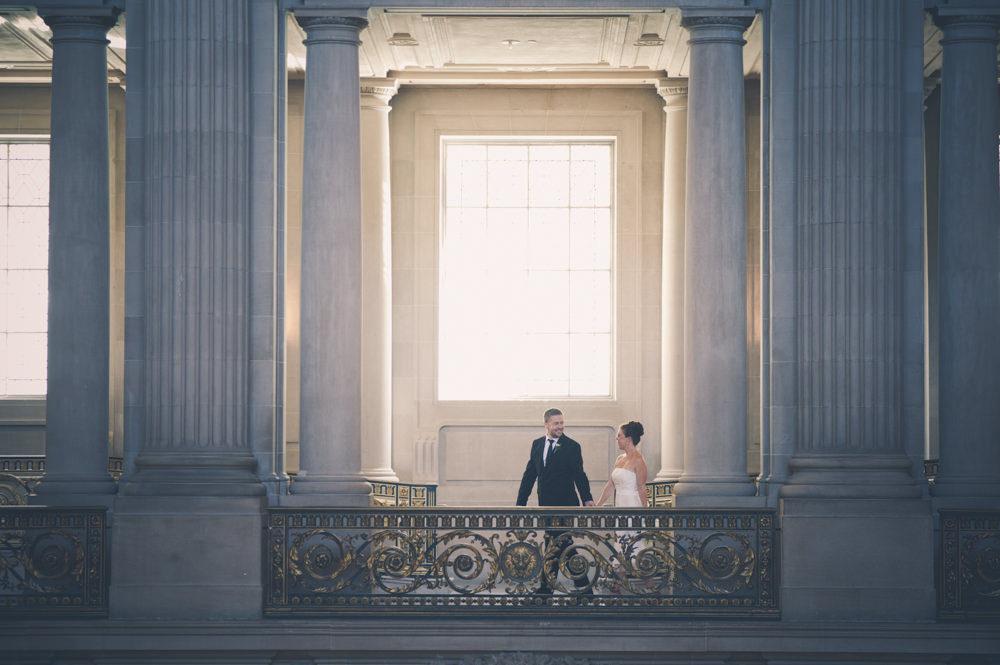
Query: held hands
[589,503]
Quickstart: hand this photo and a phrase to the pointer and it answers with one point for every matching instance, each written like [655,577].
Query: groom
[555,461]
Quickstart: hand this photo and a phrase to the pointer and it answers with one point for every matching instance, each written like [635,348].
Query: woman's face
[621,440]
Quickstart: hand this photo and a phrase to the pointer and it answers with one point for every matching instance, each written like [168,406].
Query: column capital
[674,92]
[79,22]
[716,28]
[376,92]
[326,26]
[974,26]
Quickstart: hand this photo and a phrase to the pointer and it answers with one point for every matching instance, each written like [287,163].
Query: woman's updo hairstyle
[633,430]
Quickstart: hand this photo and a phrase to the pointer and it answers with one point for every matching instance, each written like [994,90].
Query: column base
[187,558]
[721,488]
[193,473]
[856,476]
[857,559]
[328,491]
[383,475]
[669,476]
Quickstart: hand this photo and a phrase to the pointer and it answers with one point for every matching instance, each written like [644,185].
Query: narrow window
[525,290]
[24,248]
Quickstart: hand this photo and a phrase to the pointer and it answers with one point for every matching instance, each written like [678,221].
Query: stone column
[851,501]
[850,260]
[197,231]
[376,281]
[330,427]
[674,94]
[715,336]
[76,444]
[968,260]
[188,519]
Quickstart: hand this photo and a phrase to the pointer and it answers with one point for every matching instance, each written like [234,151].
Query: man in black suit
[557,464]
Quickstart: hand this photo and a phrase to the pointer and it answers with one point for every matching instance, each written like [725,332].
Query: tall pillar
[330,427]
[674,94]
[76,444]
[376,281]
[851,478]
[197,268]
[968,260]
[715,335]
[185,517]
[850,264]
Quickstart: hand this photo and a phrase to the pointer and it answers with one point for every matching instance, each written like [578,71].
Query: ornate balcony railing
[522,560]
[53,561]
[969,564]
[385,494]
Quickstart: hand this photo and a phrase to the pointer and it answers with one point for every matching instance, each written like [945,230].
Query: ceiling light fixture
[649,39]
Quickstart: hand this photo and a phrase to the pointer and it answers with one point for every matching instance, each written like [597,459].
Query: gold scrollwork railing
[969,564]
[511,560]
[660,494]
[53,561]
[386,494]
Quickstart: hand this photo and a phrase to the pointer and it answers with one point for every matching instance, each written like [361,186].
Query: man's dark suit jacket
[556,480]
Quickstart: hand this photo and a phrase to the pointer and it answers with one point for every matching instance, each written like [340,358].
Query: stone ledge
[386,636]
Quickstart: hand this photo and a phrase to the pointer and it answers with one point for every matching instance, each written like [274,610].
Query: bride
[628,477]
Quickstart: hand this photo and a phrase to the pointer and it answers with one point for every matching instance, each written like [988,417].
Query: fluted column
[968,260]
[850,263]
[196,191]
[330,427]
[674,94]
[715,337]
[376,281]
[76,444]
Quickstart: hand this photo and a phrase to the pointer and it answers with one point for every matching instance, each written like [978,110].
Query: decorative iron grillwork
[969,564]
[53,561]
[660,495]
[385,494]
[437,560]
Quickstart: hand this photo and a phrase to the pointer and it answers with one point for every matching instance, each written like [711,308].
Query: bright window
[525,292]
[24,249]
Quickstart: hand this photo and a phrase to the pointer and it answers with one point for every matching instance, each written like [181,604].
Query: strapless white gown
[626,488]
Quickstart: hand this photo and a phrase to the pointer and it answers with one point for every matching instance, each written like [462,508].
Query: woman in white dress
[628,482]
[628,477]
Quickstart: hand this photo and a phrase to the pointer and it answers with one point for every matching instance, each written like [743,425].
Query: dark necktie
[548,451]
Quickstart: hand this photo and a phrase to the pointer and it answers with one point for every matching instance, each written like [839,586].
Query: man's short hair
[552,412]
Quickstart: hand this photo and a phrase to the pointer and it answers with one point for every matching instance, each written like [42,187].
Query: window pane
[590,362]
[507,182]
[525,307]
[590,238]
[590,301]
[549,238]
[28,183]
[27,238]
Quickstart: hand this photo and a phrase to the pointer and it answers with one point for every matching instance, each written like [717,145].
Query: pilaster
[376,281]
[675,94]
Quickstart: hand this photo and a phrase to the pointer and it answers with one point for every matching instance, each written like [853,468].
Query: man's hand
[588,503]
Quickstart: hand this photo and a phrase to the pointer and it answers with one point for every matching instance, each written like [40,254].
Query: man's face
[554,426]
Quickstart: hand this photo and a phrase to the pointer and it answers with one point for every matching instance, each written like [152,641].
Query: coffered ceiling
[431,43]
[435,46]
